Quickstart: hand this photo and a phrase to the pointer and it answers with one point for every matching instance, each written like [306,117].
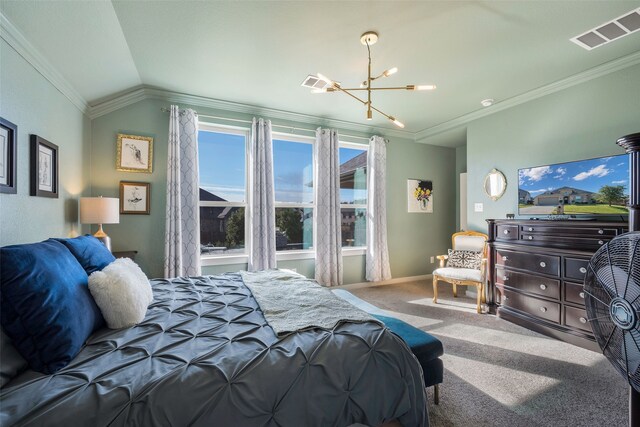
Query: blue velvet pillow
[46,307]
[90,252]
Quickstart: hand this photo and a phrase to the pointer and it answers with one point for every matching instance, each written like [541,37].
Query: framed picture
[135,198]
[8,156]
[419,196]
[44,167]
[134,153]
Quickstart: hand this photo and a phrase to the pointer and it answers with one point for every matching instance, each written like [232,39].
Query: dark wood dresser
[536,270]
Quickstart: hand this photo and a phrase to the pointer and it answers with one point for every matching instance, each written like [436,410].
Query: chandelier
[322,84]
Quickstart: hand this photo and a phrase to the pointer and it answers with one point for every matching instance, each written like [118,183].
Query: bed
[205,355]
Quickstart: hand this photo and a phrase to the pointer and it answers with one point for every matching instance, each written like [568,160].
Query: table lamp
[100,210]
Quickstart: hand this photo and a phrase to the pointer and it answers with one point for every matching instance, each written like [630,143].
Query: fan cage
[612,301]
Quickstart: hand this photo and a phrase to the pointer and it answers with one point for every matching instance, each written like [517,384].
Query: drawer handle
[543,286]
[505,278]
[600,242]
[530,237]
[581,294]
[543,309]
[543,264]
[600,231]
[506,232]
[583,320]
[505,258]
[583,270]
[530,228]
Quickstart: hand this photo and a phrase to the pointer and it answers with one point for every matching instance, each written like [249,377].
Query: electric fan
[612,300]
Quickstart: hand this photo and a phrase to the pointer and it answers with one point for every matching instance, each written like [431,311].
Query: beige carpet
[500,374]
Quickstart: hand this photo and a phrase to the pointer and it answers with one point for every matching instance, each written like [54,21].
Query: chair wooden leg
[435,289]
[455,291]
[436,394]
[484,296]
[479,287]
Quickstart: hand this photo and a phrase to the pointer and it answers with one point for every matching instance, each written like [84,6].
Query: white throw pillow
[122,292]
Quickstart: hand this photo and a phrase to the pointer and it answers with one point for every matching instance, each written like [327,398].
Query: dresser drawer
[535,263]
[531,305]
[582,243]
[507,232]
[574,293]
[524,282]
[576,318]
[573,231]
[575,268]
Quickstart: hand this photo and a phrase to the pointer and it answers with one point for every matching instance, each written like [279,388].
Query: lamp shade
[99,210]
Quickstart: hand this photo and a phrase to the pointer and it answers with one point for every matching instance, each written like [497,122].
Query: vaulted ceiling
[258,52]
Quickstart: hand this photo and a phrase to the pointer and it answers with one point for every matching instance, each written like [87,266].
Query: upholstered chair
[464,241]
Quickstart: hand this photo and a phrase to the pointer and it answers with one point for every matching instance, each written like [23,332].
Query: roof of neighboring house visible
[523,193]
[206,196]
[563,190]
[350,166]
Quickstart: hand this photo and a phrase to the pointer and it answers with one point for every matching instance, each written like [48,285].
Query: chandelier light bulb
[390,71]
[396,122]
[323,90]
[425,87]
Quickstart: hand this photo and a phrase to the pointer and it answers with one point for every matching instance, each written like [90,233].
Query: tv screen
[586,187]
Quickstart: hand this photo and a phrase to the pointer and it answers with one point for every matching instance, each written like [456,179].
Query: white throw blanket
[290,302]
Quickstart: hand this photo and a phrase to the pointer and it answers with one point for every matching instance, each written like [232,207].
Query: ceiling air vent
[314,82]
[609,31]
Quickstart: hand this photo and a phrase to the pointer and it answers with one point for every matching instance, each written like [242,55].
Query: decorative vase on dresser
[536,271]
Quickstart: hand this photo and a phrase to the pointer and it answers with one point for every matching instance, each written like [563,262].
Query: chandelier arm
[384,114]
[369,114]
[351,95]
[378,88]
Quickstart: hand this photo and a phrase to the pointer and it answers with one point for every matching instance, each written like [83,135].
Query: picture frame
[135,198]
[134,153]
[8,157]
[44,168]
[419,196]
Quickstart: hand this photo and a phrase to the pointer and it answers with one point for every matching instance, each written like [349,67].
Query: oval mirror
[495,184]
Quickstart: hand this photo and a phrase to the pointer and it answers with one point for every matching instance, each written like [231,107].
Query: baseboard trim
[384,282]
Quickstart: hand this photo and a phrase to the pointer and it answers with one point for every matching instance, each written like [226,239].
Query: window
[353,194]
[223,189]
[293,185]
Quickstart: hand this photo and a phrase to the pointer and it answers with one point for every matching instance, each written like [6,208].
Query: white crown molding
[10,34]
[582,77]
[145,92]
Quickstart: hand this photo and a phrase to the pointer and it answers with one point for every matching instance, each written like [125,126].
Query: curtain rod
[292,128]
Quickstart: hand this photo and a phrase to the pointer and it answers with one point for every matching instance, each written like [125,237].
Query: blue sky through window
[589,175]
[222,164]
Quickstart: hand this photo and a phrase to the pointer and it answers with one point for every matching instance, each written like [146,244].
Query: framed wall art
[44,168]
[135,198]
[134,153]
[419,196]
[8,157]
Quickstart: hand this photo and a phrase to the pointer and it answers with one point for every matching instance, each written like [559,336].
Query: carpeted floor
[500,374]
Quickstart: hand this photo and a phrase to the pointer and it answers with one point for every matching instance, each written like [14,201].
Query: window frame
[233,258]
[243,258]
[299,253]
[354,250]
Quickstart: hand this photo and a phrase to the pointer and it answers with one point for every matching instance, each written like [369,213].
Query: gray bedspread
[205,356]
[290,302]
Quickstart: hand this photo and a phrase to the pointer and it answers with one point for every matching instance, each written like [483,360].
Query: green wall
[461,166]
[413,238]
[28,100]
[580,122]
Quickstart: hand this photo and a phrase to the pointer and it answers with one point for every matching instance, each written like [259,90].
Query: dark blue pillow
[90,252]
[47,309]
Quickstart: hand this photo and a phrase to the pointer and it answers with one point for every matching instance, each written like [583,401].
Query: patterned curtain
[377,258]
[327,206]
[182,231]
[262,253]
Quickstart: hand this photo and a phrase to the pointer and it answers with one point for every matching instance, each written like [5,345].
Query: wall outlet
[432,260]
[478,207]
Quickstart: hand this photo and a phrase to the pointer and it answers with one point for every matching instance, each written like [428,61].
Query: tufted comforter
[204,355]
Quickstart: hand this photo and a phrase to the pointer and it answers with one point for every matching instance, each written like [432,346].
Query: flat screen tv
[593,187]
